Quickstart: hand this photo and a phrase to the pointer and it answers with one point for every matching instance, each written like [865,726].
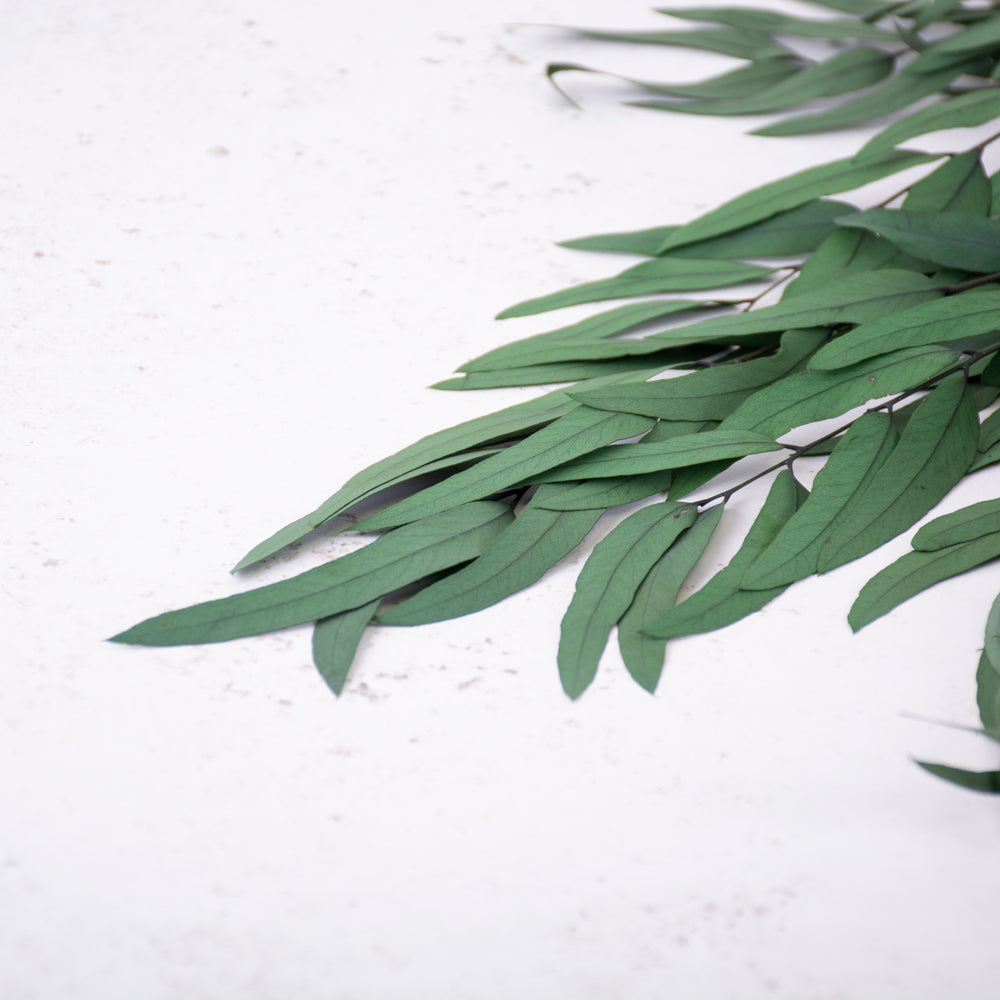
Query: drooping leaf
[721,601]
[817,395]
[709,394]
[578,432]
[853,463]
[955,239]
[915,572]
[965,525]
[934,452]
[607,584]
[787,234]
[968,314]
[688,449]
[759,75]
[963,111]
[537,539]
[391,561]
[643,654]
[335,641]
[790,192]
[673,274]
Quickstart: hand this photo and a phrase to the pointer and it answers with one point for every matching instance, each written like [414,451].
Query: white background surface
[238,239]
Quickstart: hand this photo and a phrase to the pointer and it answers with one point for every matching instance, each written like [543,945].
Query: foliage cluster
[884,318]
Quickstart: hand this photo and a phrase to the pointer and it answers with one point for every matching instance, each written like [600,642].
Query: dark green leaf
[960,526]
[955,239]
[752,45]
[988,693]
[843,73]
[611,491]
[934,452]
[607,584]
[817,395]
[958,185]
[643,654]
[537,539]
[968,314]
[856,298]
[915,572]
[852,465]
[991,649]
[989,431]
[976,781]
[569,371]
[392,561]
[673,274]
[539,349]
[721,601]
[905,88]
[709,394]
[688,449]
[335,640]
[775,23]
[963,111]
[581,431]
[787,234]
[970,41]
[790,192]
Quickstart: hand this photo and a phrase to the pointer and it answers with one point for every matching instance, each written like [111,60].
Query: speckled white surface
[237,241]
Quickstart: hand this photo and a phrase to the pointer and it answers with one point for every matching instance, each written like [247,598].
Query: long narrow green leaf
[915,572]
[751,45]
[607,584]
[965,525]
[611,491]
[988,692]
[959,185]
[721,601]
[536,540]
[688,449]
[643,654]
[335,641]
[970,41]
[709,394]
[787,234]
[963,111]
[905,88]
[673,274]
[752,79]
[852,465]
[581,431]
[538,349]
[774,23]
[789,192]
[547,374]
[934,452]
[968,314]
[817,395]
[975,781]
[856,298]
[991,648]
[843,73]
[392,561]
[954,239]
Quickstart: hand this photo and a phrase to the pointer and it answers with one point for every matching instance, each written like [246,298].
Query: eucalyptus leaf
[988,692]
[934,452]
[673,274]
[915,572]
[643,654]
[578,432]
[965,525]
[532,544]
[751,45]
[335,641]
[607,585]
[975,781]
[722,601]
[853,463]
[390,562]
[838,29]
[991,649]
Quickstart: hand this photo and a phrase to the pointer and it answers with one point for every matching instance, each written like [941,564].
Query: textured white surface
[237,240]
